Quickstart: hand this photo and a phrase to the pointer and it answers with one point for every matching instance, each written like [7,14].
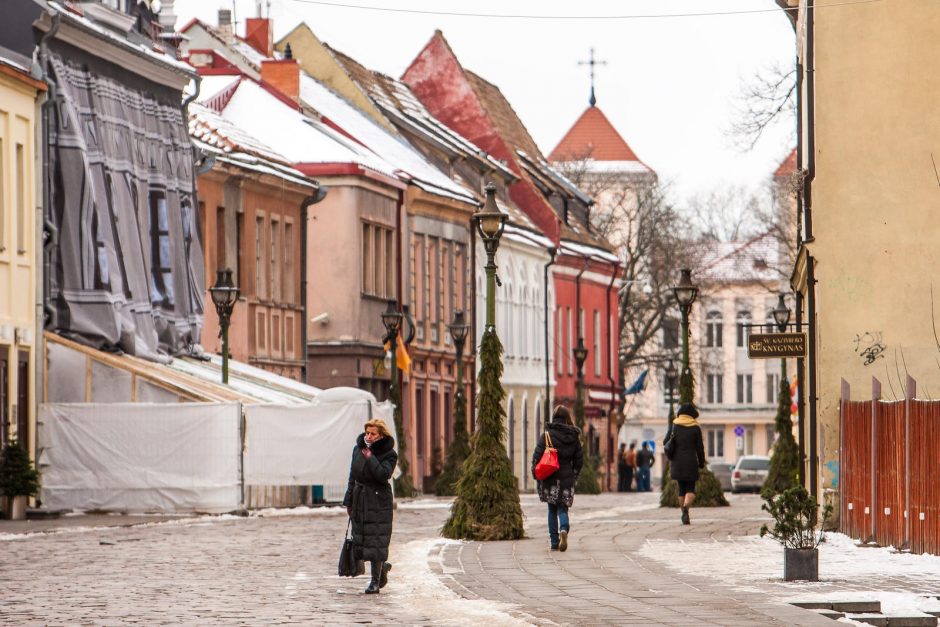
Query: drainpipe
[552,251]
[305,204]
[809,62]
[50,231]
[811,314]
[611,359]
[801,396]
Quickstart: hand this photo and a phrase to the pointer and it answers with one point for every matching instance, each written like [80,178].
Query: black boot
[383,580]
[376,575]
[685,516]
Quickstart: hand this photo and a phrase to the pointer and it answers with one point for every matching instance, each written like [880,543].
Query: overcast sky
[669,85]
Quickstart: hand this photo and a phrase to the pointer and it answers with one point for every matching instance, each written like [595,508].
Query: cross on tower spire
[591,63]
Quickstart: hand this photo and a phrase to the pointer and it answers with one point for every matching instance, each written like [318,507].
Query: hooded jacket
[369,494]
[690,449]
[559,487]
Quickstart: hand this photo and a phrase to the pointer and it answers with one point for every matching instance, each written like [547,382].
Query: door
[22,399]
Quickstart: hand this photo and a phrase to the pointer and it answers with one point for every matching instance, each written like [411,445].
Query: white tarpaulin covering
[308,444]
[138,457]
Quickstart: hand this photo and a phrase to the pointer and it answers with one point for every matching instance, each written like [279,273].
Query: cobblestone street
[281,569]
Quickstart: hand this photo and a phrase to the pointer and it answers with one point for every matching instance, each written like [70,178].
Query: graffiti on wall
[869,346]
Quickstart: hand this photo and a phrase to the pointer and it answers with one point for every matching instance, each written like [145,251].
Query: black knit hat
[687,409]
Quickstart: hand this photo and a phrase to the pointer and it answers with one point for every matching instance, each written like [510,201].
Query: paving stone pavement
[281,570]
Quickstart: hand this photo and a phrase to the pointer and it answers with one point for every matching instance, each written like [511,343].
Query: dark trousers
[625,479]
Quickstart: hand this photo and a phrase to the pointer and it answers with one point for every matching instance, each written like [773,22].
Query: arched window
[713,329]
[525,440]
[512,435]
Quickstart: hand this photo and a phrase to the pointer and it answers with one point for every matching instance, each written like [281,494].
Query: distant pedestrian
[622,468]
[368,499]
[558,489]
[689,456]
[644,461]
[630,457]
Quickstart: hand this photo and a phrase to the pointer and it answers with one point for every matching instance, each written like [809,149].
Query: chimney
[225,24]
[260,35]
[283,75]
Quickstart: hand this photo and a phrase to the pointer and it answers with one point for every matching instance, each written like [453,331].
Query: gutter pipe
[552,251]
[611,360]
[50,233]
[304,275]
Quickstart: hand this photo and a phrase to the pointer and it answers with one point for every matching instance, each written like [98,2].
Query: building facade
[20,322]
[867,221]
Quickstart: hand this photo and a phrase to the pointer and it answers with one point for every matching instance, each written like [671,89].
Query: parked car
[722,470]
[749,473]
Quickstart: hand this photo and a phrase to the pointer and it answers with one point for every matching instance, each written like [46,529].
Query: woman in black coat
[689,456]
[558,489]
[368,498]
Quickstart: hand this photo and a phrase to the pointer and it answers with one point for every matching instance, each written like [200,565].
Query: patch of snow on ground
[426,504]
[847,572]
[413,585]
[271,512]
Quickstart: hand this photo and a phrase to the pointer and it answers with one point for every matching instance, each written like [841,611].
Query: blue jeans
[643,480]
[556,514]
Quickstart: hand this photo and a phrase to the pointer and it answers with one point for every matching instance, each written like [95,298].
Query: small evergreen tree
[487,505]
[784,460]
[457,452]
[17,475]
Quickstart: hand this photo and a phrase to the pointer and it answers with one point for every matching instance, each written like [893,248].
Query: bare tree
[768,98]
[727,214]
[633,214]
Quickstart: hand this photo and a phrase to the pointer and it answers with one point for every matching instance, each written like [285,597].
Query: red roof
[593,136]
[788,166]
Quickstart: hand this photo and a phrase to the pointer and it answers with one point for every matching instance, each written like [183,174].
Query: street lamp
[391,319]
[490,223]
[672,373]
[580,356]
[458,331]
[224,296]
[685,294]
[781,315]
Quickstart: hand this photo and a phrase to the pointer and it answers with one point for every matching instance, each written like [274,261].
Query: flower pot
[801,564]
[14,507]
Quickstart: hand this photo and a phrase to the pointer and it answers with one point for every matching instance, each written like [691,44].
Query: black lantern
[224,296]
[391,318]
[490,222]
[580,355]
[672,375]
[458,330]
[685,292]
[781,314]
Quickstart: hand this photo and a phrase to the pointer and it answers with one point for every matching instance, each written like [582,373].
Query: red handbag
[548,465]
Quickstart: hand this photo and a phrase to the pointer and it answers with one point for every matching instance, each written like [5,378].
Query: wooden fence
[888,473]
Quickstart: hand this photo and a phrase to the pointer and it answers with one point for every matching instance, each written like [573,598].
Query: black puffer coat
[369,494]
[690,453]
[559,488]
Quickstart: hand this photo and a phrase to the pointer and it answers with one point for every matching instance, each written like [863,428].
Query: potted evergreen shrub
[796,514]
[18,480]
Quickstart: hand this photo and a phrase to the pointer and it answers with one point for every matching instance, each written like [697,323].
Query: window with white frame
[713,385]
[716,443]
[597,343]
[745,388]
[713,328]
[773,387]
[743,330]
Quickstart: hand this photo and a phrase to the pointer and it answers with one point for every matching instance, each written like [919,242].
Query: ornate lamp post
[391,319]
[494,513]
[580,356]
[224,296]
[685,294]
[781,315]
[458,331]
[672,373]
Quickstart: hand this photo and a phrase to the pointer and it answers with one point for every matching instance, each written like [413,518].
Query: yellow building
[18,252]
[869,223]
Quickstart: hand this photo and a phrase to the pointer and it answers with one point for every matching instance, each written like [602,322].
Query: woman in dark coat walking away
[558,489]
[368,498]
[689,456]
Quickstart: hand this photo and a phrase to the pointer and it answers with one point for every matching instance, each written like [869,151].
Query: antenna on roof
[591,63]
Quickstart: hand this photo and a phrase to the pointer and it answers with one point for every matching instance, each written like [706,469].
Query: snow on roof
[258,384]
[137,48]
[247,51]
[290,133]
[608,167]
[589,251]
[208,126]
[390,148]
[756,259]
[210,86]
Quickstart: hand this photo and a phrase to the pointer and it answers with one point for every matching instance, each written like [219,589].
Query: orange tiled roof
[788,166]
[593,136]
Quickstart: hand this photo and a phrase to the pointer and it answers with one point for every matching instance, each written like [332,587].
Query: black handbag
[669,445]
[349,566]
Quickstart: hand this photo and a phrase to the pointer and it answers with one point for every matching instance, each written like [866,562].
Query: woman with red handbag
[557,489]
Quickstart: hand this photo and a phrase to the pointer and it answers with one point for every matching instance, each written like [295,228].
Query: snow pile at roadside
[414,586]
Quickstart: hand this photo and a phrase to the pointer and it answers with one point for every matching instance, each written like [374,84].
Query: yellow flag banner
[402,357]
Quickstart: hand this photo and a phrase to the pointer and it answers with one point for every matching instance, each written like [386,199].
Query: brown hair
[561,414]
[379,424]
